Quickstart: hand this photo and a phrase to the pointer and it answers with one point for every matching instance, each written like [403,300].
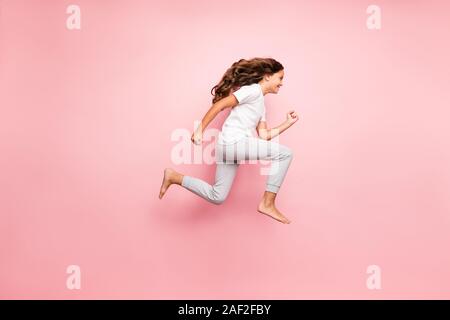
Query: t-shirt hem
[224,143]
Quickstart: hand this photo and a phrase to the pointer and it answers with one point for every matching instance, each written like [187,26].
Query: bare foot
[167,181]
[272,212]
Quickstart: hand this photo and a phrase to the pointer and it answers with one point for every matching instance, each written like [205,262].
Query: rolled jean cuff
[272,188]
[185,181]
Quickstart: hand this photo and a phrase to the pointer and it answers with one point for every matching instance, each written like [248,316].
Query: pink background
[86,121]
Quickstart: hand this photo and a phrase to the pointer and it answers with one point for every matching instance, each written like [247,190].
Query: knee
[286,152]
[218,198]
[218,201]
[290,153]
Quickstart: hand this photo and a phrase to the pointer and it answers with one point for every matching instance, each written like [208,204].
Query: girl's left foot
[166,181]
[273,212]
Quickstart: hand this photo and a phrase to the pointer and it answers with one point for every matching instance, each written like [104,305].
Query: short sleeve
[246,93]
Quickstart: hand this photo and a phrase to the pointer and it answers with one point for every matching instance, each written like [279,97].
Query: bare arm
[228,102]
[267,134]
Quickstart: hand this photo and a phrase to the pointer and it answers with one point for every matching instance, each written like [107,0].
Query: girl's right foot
[272,212]
[167,181]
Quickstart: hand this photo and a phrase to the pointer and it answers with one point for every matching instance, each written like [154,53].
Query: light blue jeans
[229,157]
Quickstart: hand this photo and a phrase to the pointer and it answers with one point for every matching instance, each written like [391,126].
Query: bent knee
[218,198]
[290,152]
[218,201]
[286,152]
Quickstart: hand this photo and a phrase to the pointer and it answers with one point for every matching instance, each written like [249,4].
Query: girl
[253,79]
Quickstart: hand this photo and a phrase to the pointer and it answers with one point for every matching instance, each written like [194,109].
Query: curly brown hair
[244,72]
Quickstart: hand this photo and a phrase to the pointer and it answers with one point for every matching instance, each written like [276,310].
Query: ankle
[177,179]
[268,202]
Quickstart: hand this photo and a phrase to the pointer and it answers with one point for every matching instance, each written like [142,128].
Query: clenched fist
[196,138]
[291,117]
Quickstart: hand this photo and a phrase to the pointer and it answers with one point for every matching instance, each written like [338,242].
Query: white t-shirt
[243,118]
